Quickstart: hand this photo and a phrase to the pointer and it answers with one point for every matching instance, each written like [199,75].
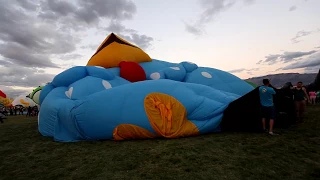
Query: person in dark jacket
[29,111]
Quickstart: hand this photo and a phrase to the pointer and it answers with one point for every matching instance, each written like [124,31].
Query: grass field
[295,154]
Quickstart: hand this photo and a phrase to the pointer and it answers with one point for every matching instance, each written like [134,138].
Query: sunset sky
[41,38]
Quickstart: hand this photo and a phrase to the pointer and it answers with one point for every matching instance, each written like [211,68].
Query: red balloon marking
[2,94]
[132,71]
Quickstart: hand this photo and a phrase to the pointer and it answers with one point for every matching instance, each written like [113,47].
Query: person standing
[2,116]
[267,106]
[300,96]
[313,96]
[15,110]
[29,111]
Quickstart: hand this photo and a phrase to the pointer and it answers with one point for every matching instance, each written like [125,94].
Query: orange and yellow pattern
[6,101]
[167,116]
[25,103]
[130,131]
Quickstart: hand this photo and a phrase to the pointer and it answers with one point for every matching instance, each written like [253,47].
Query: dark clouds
[309,62]
[313,69]
[22,31]
[211,9]
[299,35]
[285,57]
[142,41]
[248,71]
[131,35]
[70,56]
[18,76]
[35,32]
[294,60]
[237,70]
[193,29]
[13,75]
[12,92]
[85,13]
[23,56]
[117,27]
[91,46]
[52,29]
[292,8]
[248,2]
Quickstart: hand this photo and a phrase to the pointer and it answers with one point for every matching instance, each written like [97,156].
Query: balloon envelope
[23,100]
[2,94]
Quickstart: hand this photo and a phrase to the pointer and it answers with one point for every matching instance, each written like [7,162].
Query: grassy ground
[295,154]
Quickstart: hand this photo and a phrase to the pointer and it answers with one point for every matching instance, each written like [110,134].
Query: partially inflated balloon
[137,99]
[35,95]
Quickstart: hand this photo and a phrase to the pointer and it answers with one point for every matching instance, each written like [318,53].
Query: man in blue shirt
[267,107]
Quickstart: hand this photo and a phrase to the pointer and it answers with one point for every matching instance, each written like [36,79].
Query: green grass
[295,154]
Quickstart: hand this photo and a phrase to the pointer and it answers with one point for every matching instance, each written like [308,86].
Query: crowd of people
[301,98]
[18,110]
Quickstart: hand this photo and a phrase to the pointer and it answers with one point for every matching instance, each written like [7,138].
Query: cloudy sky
[41,38]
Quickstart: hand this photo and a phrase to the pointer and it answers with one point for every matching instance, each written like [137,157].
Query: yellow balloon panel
[6,101]
[113,50]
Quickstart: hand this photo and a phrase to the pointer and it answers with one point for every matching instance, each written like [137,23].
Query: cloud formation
[284,57]
[248,71]
[25,78]
[33,33]
[292,8]
[312,69]
[309,62]
[84,13]
[237,70]
[193,29]
[40,29]
[12,92]
[131,35]
[211,9]
[248,2]
[13,75]
[301,34]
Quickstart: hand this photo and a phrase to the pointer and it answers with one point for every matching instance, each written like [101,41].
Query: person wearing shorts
[267,107]
[313,97]
[300,96]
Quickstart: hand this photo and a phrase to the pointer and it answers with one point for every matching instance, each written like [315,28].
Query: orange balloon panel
[114,50]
